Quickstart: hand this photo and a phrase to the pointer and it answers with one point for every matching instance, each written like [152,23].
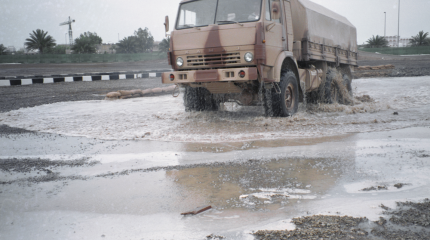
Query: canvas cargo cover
[315,23]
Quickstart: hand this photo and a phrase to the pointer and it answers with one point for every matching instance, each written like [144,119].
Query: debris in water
[374,188]
[384,207]
[365,98]
[399,185]
[395,113]
[214,237]
[197,211]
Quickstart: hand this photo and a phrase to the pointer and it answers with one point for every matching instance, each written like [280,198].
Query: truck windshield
[202,13]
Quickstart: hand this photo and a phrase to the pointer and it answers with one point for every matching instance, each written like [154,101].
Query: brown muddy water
[104,181]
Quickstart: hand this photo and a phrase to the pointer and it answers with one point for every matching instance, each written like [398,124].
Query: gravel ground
[411,220]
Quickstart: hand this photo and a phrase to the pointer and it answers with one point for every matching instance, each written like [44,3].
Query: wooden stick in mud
[197,211]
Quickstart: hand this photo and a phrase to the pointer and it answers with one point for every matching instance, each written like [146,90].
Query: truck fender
[286,61]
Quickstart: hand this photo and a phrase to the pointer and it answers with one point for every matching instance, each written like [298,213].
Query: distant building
[392,41]
[156,46]
[108,48]
[11,49]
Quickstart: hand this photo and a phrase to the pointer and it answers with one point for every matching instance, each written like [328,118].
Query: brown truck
[275,53]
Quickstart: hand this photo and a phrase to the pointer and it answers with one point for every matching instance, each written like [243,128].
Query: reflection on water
[269,185]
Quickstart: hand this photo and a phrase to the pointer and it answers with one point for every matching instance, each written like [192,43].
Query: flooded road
[127,169]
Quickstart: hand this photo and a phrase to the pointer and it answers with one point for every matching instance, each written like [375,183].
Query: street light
[398,29]
[385,25]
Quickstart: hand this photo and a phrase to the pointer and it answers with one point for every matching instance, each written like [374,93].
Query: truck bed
[321,34]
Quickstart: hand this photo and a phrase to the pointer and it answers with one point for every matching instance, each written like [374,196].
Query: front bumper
[215,75]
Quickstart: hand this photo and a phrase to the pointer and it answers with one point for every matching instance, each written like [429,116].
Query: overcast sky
[108,18]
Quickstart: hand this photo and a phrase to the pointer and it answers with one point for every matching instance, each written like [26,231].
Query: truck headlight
[179,62]
[249,57]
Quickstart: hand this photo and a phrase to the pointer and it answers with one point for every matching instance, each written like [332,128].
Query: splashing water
[163,118]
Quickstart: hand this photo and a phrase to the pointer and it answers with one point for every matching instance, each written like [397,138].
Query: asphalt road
[65,68]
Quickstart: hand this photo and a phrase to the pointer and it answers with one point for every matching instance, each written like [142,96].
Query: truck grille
[213,59]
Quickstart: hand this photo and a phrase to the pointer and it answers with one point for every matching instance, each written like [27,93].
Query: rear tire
[331,90]
[348,84]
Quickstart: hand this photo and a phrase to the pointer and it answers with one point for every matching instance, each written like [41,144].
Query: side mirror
[166,23]
[276,10]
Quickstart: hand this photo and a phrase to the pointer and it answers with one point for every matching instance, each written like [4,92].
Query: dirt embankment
[404,66]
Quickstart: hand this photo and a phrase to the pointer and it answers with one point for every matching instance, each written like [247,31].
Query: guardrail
[399,51]
[83,77]
[81,58]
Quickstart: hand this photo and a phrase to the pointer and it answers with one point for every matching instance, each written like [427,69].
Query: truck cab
[242,51]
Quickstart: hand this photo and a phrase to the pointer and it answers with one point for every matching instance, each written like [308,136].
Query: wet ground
[127,169]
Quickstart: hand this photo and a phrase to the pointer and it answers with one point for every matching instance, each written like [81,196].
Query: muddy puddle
[249,190]
[128,169]
[380,105]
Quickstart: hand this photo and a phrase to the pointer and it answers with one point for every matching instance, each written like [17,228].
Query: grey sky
[109,17]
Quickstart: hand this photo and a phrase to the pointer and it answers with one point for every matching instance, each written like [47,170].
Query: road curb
[78,77]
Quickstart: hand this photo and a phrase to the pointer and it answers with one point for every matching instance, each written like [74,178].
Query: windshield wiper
[230,22]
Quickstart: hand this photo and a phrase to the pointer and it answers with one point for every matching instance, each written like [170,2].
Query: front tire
[199,99]
[286,103]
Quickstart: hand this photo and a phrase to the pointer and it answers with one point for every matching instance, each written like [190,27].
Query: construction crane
[70,29]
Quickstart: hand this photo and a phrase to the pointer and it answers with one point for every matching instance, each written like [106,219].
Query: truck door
[288,23]
[273,26]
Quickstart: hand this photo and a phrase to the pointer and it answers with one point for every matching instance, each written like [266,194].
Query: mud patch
[320,227]
[411,214]
[378,188]
[49,177]
[411,220]
[29,165]
[252,184]
[4,129]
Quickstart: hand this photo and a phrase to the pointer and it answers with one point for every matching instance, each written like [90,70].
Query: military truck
[276,53]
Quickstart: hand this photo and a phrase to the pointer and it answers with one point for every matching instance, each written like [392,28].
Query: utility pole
[398,29]
[385,25]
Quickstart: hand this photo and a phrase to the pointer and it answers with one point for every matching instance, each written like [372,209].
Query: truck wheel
[207,101]
[348,84]
[268,102]
[199,99]
[286,103]
[345,90]
[331,88]
[190,99]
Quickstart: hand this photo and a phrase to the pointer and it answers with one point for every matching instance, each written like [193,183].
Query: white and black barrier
[84,77]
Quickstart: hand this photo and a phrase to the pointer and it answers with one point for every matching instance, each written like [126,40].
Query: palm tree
[377,42]
[2,49]
[39,40]
[420,39]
